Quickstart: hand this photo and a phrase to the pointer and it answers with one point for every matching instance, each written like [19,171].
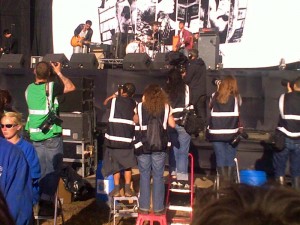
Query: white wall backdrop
[271,31]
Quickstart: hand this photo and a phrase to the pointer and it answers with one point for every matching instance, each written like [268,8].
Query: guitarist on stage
[185,41]
[82,37]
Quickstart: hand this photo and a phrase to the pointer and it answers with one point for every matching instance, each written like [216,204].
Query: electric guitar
[78,41]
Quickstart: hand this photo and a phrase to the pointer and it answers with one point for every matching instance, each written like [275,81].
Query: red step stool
[162,219]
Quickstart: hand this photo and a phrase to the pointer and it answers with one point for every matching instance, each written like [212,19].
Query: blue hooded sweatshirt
[15,182]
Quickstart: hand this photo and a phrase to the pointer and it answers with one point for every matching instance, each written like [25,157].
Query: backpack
[156,137]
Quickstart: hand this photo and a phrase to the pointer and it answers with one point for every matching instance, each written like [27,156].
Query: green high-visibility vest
[38,109]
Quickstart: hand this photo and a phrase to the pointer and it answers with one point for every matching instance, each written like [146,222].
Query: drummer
[154,37]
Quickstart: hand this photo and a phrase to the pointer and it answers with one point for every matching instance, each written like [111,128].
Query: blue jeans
[291,152]
[50,153]
[152,163]
[179,156]
[225,153]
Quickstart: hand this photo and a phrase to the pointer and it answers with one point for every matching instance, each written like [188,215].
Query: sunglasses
[8,125]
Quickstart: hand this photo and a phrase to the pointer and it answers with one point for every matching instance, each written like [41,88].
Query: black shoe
[159,213]
[141,211]
[115,193]
[129,193]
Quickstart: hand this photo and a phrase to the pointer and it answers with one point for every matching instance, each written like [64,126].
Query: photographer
[44,127]
[178,93]
[223,127]
[195,78]
[119,137]
[289,125]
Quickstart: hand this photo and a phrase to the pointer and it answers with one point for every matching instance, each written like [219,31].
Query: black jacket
[89,34]
[195,78]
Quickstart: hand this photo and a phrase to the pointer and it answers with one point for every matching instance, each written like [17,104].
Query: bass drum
[135,47]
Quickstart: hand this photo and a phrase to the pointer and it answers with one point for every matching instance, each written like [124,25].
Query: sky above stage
[260,32]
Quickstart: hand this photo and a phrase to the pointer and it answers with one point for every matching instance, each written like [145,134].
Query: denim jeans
[291,152]
[152,164]
[225,153]
[50,153]
[178,158]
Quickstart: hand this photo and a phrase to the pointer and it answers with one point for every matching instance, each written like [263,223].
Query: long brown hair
[154,99]
[227,87]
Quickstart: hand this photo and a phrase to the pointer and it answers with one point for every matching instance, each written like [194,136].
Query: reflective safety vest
[224,120]
[289,122]
[179,104]
[38,109]
[120,132]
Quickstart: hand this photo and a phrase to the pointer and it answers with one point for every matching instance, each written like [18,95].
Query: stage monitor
[83,61]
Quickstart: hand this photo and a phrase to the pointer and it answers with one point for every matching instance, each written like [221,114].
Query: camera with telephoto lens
[216,81]
[236,140]
[50,120]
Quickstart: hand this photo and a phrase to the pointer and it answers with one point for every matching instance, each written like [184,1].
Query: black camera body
[216,81]
[50,120]
[238,137]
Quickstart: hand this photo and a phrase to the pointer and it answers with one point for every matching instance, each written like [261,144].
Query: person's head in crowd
[228,86]
[5,101]
[181,25]
[128,89]
[175,84]
[42,70]
[296,86]
[11,126]
[88,24]
[154,99]
[193,54]
[249,205]
[6,33]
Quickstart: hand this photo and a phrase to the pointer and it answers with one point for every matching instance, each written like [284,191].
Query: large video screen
[253,33]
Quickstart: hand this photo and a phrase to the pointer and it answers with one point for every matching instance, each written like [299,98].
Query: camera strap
[47,96]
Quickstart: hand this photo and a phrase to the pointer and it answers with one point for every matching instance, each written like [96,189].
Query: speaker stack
[11,61]
[79,121]
[208,47]
[136,61]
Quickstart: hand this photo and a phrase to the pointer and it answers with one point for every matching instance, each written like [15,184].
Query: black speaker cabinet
[57,58]
[77,126]
[80,100]
[84,61]
[160,61]
[208,47]
[12,61]
[136,61]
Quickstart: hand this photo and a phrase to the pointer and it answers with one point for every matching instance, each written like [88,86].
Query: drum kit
[142,43]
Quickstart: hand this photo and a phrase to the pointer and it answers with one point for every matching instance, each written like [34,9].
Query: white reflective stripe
[187,95]
[177,118]
[140,114]
[223,131]
[136,127]
[137,145]
[144,127]
[34,130]
[291,117]
[115,138]
[281,110]
[112,108]
[38,112]
[175,110]
[227,114]
[281,104]
[288,133]
[166,116]
[169,144]
[115,120]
